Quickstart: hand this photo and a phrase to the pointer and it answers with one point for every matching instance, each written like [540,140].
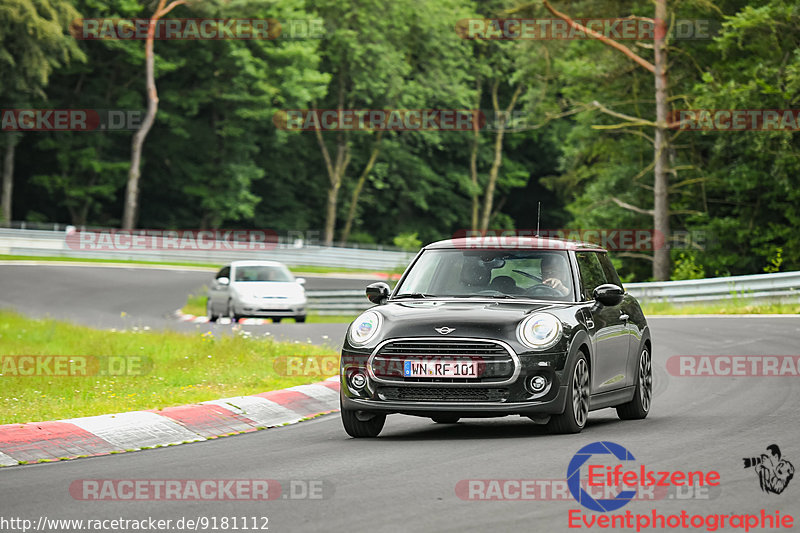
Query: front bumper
[551,406]
[504,390]
[267,310]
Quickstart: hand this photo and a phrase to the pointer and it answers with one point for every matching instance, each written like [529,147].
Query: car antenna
[538,215]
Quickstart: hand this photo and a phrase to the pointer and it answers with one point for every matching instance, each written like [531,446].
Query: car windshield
[541,275]
[262,273]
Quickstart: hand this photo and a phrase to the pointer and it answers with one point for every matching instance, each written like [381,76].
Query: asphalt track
[124,297]
[406,479]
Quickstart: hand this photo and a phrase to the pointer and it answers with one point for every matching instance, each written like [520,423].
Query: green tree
[34,40]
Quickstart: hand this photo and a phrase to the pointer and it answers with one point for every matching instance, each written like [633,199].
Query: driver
[555,273]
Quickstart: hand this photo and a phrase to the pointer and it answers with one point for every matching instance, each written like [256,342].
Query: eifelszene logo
[621,477]
[774,472]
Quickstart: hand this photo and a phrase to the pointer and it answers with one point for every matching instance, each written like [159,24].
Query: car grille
[495,364]
[443,394]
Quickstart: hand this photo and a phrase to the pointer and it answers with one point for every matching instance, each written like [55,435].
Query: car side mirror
[608,294]
[301,281]
[378,293]
[224,281]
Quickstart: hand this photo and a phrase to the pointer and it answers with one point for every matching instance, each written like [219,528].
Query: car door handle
[624,317]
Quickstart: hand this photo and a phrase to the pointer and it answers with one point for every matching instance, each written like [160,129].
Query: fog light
[358,381]
[538,384]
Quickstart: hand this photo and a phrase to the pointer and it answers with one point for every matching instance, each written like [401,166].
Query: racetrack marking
[260,410]
[209,420]
[104,434]
[137,429]
[318,392]
[5,460]
[50,441]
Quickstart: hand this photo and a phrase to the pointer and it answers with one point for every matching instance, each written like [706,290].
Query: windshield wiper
[504,296]
[414,295]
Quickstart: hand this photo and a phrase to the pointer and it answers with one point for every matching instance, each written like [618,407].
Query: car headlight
[364,328]
[539,331]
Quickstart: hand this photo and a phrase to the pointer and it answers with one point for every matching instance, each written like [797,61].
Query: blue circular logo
[574,477]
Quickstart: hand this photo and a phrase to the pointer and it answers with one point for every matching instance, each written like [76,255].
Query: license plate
[440,369]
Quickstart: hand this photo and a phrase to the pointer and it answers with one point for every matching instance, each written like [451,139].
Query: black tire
[574,417]
[276,320]
[445,419]
[640,404]
[231,312]
[357,428]
[300,319]
[210,312]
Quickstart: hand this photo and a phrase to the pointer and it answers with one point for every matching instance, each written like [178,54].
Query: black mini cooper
[524,326]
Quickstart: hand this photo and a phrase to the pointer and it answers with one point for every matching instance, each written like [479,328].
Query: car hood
[491,319]
[269,289]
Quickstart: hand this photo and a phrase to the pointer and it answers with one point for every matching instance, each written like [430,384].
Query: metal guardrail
[348,302]
[779,286]
[48,243]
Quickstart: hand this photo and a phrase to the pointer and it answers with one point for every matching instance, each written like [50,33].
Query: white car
[263,289]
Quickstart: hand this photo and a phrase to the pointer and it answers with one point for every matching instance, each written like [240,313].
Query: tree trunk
[488,198]
[473,157]
[8,175]
[351,212]
[131,209]
[661,258]
[132,192]
[336,172]
[336,169]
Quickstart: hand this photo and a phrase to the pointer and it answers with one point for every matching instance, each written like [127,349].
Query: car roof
[501,242]
[256,263]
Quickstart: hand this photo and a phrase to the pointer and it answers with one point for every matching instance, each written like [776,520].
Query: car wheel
[445,419]
[358,424]
[276,320]
[639,406]
[300,318]
[210,311]
[232,312]
[574,417]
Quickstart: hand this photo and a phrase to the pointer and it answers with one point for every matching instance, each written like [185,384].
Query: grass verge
[171,368]
[735,306]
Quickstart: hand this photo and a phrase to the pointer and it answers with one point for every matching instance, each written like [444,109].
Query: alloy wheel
[580,392]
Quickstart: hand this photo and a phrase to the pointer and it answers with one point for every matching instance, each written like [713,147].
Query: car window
[500,273]
[609,270]
[516,270]
[592,274]
[262,273]
[224,273]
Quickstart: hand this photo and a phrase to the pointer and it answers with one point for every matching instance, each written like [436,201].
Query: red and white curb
[106,434]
